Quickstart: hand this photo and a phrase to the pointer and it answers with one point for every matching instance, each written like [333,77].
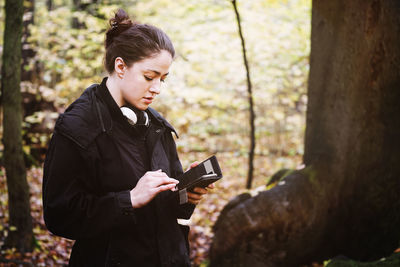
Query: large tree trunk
[20,221]
[346,199]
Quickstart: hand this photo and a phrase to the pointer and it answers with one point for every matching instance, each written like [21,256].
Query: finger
[168,180]
[166,187]
[158,173]
[151,174]
[164,181]
[156,181]
[194,164]
[200,190]
[195,202]
[194,196]
[211,186]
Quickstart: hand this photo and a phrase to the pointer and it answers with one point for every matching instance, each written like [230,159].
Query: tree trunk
[27,74]
[252,116]
[76,6]
[346,199]
[90,7]
[20,221]
[49,4]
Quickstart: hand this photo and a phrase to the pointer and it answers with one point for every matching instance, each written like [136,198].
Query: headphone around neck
[135,116]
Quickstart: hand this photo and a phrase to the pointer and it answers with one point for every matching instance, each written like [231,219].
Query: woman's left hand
[198,192]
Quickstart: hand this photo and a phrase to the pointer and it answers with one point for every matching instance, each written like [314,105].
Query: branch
[250,97]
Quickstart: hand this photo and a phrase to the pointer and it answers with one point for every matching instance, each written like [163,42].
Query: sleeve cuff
[183,198]
[125,204]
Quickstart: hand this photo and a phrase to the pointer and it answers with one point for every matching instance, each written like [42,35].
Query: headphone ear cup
[130,115]
[146,118]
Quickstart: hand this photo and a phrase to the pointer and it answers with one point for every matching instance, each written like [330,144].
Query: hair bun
[119,23]
[121,19]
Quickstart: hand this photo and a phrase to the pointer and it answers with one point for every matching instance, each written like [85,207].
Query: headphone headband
[135,116]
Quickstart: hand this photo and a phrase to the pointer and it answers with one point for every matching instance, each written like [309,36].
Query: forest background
[205,96]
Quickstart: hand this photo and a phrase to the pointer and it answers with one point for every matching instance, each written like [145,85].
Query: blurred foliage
[207,88]
[205,95]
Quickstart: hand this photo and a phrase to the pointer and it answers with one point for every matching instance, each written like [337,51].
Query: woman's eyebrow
[157,72]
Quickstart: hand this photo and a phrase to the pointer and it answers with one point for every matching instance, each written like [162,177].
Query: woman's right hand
[152,183]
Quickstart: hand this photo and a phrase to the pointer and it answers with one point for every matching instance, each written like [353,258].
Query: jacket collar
[89,115]
[116,113]
[160,119]
[112,106]
[78,122]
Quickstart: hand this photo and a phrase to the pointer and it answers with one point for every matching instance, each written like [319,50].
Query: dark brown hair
[133,41]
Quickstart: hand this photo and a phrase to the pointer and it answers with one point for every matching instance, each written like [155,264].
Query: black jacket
[92,163]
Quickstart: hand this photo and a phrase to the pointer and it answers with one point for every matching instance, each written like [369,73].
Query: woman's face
[141,82]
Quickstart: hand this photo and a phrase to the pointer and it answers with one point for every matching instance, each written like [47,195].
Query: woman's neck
[112,85]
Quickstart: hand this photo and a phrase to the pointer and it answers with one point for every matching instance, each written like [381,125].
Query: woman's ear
[119,67]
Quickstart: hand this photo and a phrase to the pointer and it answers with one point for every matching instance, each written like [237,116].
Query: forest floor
[51,250]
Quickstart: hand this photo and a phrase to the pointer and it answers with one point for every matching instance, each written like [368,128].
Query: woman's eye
[150,78]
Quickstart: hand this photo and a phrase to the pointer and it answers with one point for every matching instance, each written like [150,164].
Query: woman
[107,176]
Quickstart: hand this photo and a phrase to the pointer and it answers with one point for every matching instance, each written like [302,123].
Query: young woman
[110,170]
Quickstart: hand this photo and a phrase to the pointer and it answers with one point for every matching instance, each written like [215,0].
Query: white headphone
[133,117]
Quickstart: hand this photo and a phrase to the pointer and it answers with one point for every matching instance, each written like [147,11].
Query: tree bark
[345,201]
[20,231]
[90,7]
[27,51]
[76,6]
[252,116]
[49,4]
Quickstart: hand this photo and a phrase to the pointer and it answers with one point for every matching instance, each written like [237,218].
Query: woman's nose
[156,87]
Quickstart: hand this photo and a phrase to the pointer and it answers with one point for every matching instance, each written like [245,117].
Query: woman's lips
[148,100]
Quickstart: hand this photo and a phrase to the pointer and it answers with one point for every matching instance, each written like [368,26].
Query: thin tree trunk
[27,51]
[76,6]
[90,7]
[49,4]
[346,201]
[20,221]
[250,98]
